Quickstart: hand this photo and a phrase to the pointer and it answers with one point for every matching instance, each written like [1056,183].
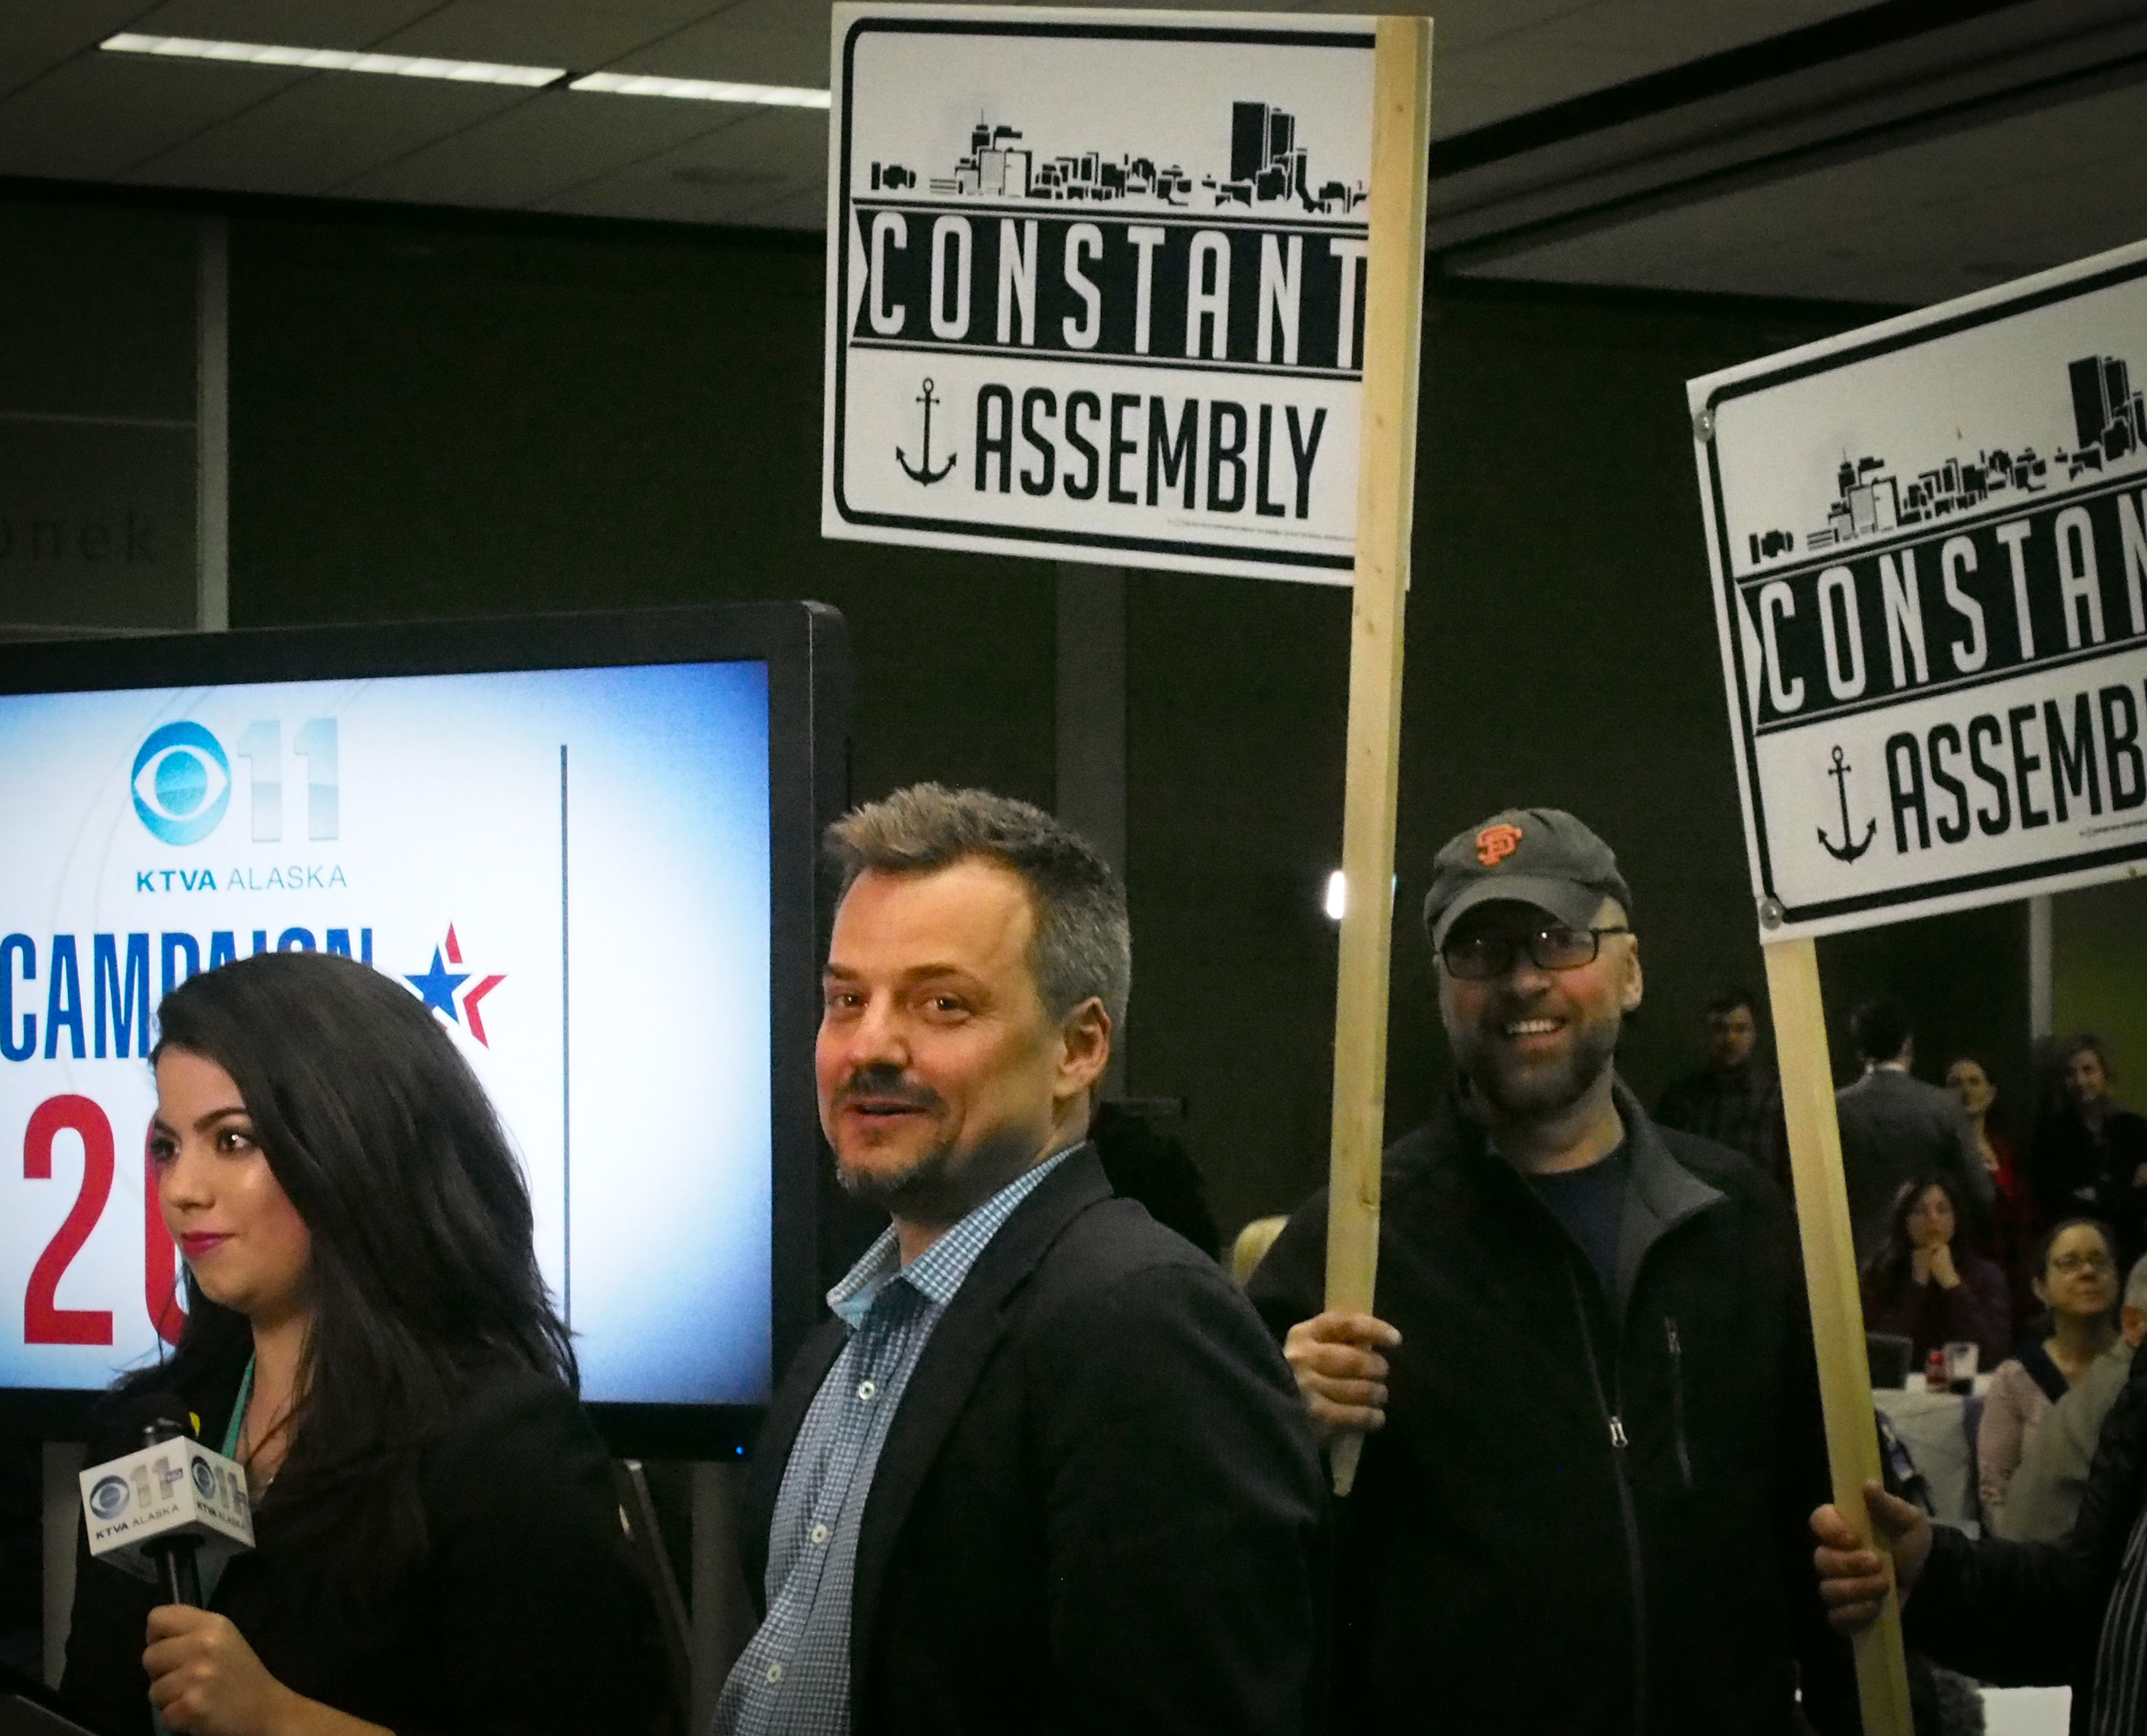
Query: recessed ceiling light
[336,60]
[702,90]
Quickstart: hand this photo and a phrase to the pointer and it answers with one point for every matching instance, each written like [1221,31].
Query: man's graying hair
[1083,945]
[2136,1287]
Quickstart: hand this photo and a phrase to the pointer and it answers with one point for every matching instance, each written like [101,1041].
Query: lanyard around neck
[238,1413]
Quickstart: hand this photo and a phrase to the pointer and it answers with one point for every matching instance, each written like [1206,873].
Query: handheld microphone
[154,1511]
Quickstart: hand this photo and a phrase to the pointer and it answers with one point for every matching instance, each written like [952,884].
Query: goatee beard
[1544,1096]
[892,1191]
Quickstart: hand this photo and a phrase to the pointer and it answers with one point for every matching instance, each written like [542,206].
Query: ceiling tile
[757,42]
[325,130]
[39,37]
[573,33]
[317,24]
[554,141]
[97,116]
[773,155]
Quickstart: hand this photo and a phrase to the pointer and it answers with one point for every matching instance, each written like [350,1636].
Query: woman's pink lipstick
[201,1242]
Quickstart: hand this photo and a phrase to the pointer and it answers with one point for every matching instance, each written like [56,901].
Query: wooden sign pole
[1837,1307]
[1386,487]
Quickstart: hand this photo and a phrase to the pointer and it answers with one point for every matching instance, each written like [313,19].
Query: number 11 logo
[182,780]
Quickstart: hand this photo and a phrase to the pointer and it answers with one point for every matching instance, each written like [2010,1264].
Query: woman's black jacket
[527,1614]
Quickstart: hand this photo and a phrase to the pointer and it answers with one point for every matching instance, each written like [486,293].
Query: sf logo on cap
[1494,844]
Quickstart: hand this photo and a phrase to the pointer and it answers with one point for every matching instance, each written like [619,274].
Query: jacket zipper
[1684,1458]
[1612,1409]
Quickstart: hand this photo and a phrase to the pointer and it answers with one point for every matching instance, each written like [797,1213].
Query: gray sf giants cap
[1542,856]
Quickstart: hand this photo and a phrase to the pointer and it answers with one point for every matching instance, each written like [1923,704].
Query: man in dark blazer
[1044,1470]
[1894,1128]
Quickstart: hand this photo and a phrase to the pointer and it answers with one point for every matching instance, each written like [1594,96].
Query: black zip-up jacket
[1587,1512]
[2026,1613]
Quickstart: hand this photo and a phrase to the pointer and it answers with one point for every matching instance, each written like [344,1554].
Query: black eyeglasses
[1552,947]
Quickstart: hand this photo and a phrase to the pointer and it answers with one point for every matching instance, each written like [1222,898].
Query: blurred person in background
[2075,1280]
[2043,1497]
[1924,1286]
[1252,1246]
[1142,1162]
[1894,1126]
[2012,1217]
[1736,1099]
[2090,1153]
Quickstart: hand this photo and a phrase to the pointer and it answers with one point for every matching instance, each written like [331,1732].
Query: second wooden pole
[1837,1304]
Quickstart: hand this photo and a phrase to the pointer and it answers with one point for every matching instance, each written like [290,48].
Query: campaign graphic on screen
[569,866]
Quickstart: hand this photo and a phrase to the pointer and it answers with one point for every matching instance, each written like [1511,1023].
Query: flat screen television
[587,842]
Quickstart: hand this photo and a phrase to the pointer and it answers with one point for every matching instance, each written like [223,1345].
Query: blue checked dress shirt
[794,1679]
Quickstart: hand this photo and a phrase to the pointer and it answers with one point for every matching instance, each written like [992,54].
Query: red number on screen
[43,1320]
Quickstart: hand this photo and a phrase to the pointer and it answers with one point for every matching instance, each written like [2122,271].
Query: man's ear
[1634,990]
[1084,1052]
[2132,1322]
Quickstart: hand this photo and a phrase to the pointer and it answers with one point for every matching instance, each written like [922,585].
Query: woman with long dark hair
[438,1543]
[1926,1287]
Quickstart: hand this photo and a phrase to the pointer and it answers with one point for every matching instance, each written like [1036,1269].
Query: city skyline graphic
[1269,167]
[2109,426]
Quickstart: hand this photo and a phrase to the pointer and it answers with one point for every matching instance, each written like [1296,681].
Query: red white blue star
[441,988]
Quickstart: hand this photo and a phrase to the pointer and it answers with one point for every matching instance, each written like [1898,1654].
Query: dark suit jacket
[1894,1128]
[1099,1506]
[528,1618]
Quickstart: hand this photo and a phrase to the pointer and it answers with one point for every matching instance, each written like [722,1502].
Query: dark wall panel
[436,420]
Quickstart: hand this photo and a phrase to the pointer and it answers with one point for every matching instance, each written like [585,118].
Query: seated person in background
[1894,1126]
[2012,1238]
[1917,1286]
[2075,1279]
[438,1543]
[1251,1248]
[2043,1497]
[1736,1099]
[2090,1152]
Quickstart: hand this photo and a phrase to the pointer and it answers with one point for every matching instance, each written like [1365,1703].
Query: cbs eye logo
[182,783]
[182,780]
[205,1480]
[109,1500]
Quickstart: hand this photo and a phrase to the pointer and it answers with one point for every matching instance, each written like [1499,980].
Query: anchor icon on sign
[922,471]
[1845,852]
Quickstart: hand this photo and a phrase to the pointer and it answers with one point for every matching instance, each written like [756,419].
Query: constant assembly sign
[1096,284]
[1928,541]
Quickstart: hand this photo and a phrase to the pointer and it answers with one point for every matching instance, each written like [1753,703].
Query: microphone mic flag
[156,1510]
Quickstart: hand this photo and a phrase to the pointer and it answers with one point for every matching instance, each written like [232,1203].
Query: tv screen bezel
[806,649]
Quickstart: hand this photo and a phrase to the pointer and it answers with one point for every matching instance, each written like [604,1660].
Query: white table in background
[1937,1428]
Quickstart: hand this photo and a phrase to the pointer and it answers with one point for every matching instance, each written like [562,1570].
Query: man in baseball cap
[1587,1376]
